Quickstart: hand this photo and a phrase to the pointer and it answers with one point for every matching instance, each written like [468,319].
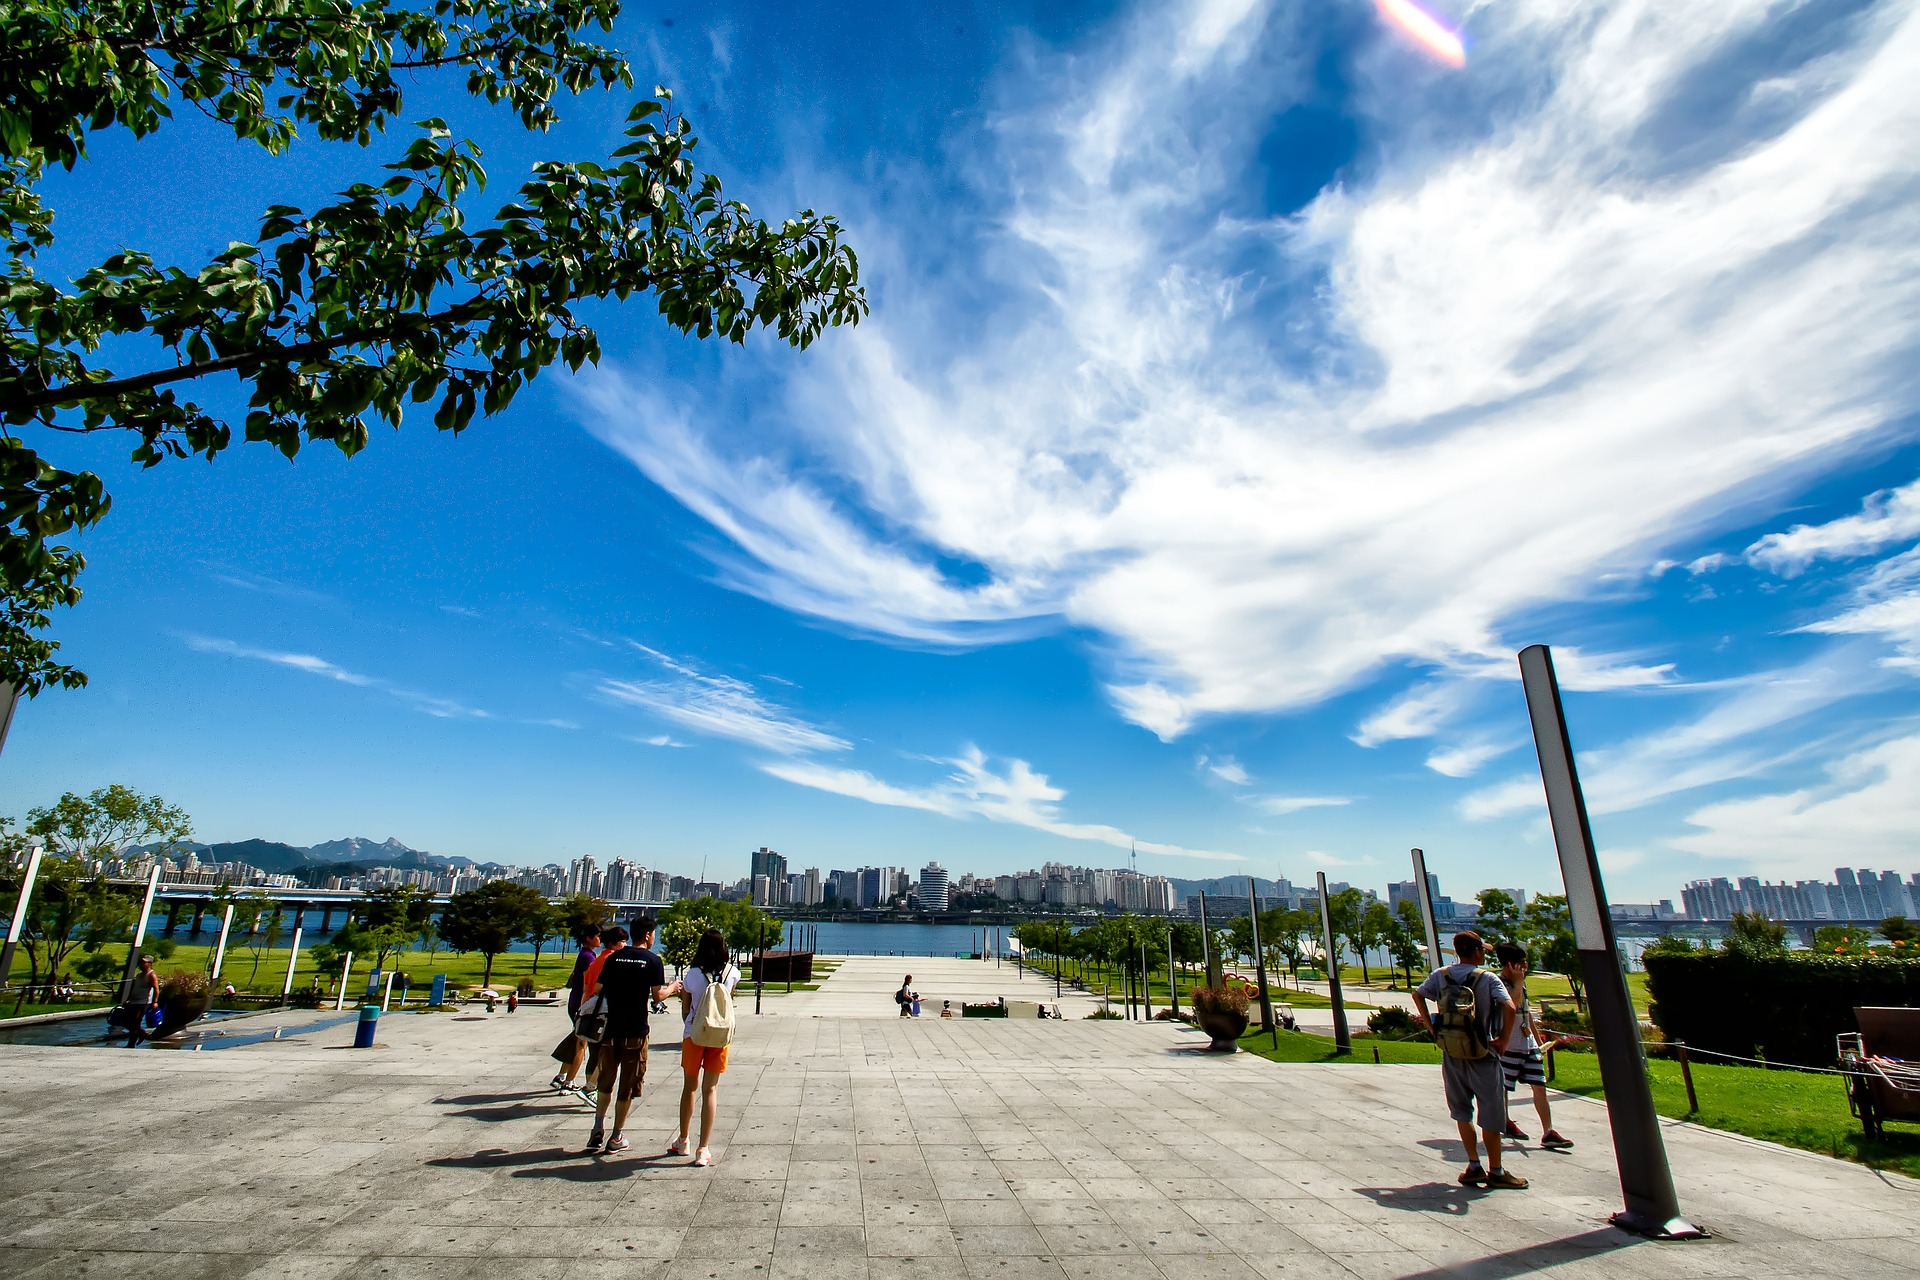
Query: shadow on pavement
[1534,1258]
[1426,1197]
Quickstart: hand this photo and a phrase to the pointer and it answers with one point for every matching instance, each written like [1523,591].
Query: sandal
[678,1147]
[703,1159]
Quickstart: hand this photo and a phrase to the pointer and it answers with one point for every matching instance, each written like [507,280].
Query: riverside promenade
[869,1148]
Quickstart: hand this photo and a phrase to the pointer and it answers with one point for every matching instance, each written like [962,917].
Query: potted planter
[1221,1012]
[184,998]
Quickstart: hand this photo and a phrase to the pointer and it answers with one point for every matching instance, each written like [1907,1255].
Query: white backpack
[713,1014]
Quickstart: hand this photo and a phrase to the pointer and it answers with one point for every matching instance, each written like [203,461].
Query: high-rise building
[769,864]
[814,891]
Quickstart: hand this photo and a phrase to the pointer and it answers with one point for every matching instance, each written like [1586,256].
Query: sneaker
[703,1158]
[1473,1176]
[616,1143]
[1515,1131]
[1552,1141]
[678,1147]
[1507,1179]
[595,1138]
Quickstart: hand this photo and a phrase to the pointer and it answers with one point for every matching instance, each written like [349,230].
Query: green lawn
[1792,1108]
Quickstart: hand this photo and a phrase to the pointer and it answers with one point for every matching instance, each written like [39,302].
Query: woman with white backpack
[706,998]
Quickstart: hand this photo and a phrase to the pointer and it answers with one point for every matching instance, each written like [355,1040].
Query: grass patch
[1792,1108]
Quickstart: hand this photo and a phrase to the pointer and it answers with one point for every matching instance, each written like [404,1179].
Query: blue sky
[1244,387]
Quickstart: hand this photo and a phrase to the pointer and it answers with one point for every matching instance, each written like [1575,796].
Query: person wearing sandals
[1522,1062]
[569,1072]
[702,1065]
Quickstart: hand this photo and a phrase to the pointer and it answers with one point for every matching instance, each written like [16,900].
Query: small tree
[1348,908]
[1842,939]
[488,919]
[1376,927]
[1405,940]
[1548,933]
[107,820]
[579,912]
[263,937]
[1752,933]
[391,917]
[543,922]
[1499,915]
[1899,929]
[70,905]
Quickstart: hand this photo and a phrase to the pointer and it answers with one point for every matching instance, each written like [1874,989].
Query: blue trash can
[369,1019]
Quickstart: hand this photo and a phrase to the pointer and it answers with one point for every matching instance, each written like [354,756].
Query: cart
[1883,1059]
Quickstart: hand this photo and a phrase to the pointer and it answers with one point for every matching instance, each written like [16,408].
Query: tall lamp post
[1646,1179]
[1342,1040]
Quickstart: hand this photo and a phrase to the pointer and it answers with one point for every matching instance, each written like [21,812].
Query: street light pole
[1646,1179]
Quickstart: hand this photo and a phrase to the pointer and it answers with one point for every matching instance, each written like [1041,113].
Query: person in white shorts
[1523,1063]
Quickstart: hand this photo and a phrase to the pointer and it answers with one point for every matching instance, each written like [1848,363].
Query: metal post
[1425,900]
[1207,957]
[1173,988]
[346,968]
[19,906]
[790,950]
[1342,1041]
[1059,945]
[1646,1179]
[1260,961]
[140,932]
[293,958]
[1146,985]
[220,949]
[386,990]
[1686,1074]
[760,964]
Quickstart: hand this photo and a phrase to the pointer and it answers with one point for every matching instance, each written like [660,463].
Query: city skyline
[1243,388]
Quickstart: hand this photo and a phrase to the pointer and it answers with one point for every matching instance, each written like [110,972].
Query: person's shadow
[549,1162]
[1446,1198]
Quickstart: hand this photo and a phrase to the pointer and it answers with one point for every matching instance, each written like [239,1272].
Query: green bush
[1786,1008]
[1392,1023]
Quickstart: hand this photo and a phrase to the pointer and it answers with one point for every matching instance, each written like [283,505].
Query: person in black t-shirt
[631,979]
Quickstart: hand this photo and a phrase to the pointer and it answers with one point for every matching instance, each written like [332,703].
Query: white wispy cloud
[1516,354]
[722,707]
[1887,517]
[1015,794]
[1867,810]
[1465,760]
[1280,806]
[1227,769]
[425,703]
[1738,735]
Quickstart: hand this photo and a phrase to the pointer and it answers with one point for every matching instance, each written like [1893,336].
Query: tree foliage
[744,924]
[489,918]
[106,821]
[71,907]
[1753,933]
[579,912]
[347,313]
[389,919]
[1499,915]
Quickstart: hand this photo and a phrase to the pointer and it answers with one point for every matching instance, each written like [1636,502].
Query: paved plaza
[873,1148]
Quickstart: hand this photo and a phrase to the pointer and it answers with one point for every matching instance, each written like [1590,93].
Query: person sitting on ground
[1522,1063]
[701,1065]
[904,996]
[631,978]
[946,1008]
[1472,1020]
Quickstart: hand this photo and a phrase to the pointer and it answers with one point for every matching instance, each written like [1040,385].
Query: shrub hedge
[1785,1008]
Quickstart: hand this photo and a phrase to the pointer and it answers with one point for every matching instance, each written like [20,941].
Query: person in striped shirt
[1522,1062]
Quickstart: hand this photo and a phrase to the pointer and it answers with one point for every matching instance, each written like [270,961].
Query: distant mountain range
[352,851]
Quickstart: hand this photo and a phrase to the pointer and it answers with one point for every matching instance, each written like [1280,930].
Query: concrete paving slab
[859,1146]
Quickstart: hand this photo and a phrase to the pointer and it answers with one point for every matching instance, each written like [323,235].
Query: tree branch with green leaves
[390,296]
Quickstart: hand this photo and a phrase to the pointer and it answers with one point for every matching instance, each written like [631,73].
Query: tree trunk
[486,979]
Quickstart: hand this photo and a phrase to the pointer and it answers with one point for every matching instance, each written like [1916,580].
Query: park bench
[1883,1059]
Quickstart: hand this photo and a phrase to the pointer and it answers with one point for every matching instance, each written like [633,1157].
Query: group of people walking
[618,983]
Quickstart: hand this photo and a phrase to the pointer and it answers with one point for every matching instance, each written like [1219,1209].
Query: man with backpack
[631,978]
[1471,1019]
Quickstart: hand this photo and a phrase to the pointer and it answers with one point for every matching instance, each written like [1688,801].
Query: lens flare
[1427,29]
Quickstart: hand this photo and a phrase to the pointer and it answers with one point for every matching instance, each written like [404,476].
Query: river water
[833,938]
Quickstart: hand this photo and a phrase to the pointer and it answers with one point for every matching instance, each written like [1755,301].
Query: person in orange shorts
[702,1066]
